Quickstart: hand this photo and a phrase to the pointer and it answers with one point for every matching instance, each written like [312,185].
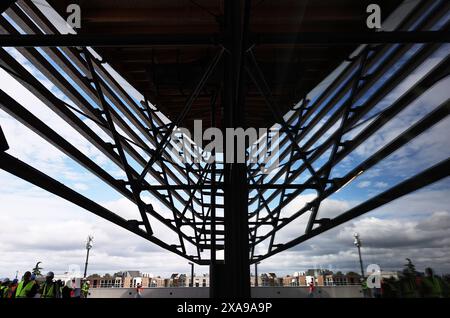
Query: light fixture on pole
[192,274]
[357,243]
[88,248]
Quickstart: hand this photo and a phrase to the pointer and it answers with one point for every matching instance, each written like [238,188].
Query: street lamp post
[256,273]
[357,243]
[88,248]
[192,275]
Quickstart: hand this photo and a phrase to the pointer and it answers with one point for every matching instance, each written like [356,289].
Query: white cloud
[380,185]
[38,226]
[415,226]
[80,186]
[364,184]
[49,229]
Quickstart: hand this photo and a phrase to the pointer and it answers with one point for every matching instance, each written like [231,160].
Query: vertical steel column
[213,257]
[237,266]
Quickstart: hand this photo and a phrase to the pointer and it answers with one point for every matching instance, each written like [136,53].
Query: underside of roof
[168,75]
[186,62]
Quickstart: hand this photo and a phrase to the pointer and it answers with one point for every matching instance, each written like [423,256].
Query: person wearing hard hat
[27,287]
[85,289]
[49,289]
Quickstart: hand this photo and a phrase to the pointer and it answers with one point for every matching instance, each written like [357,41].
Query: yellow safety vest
[49,292]
[434,287]
[4,290]
[22,291]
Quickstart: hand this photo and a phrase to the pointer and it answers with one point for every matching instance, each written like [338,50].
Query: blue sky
[42,227]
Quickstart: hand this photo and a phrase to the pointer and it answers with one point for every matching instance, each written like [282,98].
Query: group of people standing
[29,287]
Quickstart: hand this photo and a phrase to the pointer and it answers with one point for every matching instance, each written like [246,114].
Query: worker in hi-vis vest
[50,289]
[85,289]
[432,286]
[27,288]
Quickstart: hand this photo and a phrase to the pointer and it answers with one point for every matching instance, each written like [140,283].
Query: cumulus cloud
[364,184]
[48,229]
[416,226]
[80,186]
[37,226]
[380,185]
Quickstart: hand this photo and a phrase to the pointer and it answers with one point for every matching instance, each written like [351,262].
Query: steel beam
[337,141]
[187,107]
[257,76]
[36,177]
[47,68]
[425,22]
[234,41]
[37,88]
[25,23]
[106,109]
[20,113]
[5,4]
[289,39]
[3,143]
[387,86]
[350,38]
[423,179]
[431,119]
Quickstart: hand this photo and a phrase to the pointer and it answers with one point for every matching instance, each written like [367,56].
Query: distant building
[127,279]
[177,280]
[253,280]
[321,278]
[271,279]
[131,279]
[156,282]
[290,280]
[201,281]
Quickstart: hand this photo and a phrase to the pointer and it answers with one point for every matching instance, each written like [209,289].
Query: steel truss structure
[229,207]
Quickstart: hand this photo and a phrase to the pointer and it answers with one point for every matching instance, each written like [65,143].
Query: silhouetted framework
[233,63]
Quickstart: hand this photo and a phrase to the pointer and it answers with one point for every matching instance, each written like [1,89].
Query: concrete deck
[203,292]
